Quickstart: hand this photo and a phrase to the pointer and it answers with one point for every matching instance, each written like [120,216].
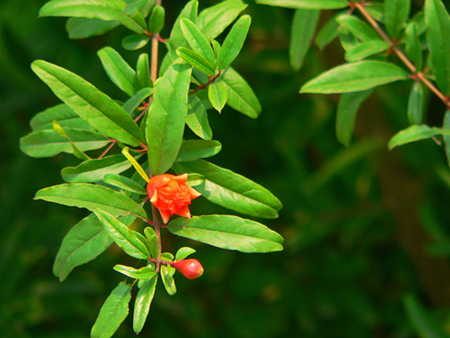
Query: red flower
[189,268]
[171,195]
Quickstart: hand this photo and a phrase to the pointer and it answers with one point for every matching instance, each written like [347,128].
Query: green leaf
[196,60]
[327,33]
[240,96]
[438,21]
[354,77]
[396,13]
[145,272]
[217,94]
[166,117]
[446,124]
[416,105]
[232,191]
[118,70]
[348,106]
[197,118]
[134,102]
[95,170]
[228,232]
[143,71]
[192,150]
[124,183]
[183,252]
[61,113]
[302,32]
[422,322]
[84,242]
[91,196]
[197,40]
[306,4]
[130,241]
[167,273]
[82,28]
[113,312]
[366,49]
[358,28]
[75,150]
[92,9]
[100,111]
[156,22]
[347,40]
[234,41]
[135,42]
[142,305]
[413,46]
[415,133]
[195,179]
[213,20]
[48,143]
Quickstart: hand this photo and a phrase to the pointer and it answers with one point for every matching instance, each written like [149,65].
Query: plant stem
[420,75]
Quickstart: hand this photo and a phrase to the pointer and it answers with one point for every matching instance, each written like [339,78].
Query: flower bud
[189,268]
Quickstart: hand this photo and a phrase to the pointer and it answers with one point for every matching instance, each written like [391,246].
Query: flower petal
[165,215]
[185,212]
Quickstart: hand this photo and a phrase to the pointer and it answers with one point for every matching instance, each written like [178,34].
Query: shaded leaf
[361,30]
[327,33]
[135,42]
[228,232]
[156,22]
[416,104]
[197,118]
[196,60]
[303,28]
[446,124]
[142,305]
[415,133]
[413,46]
[143,71]
[124,183]
[167,273]
[81,28]
[192,150]
[306,4]
[61,113]
[396,12]
[366,49]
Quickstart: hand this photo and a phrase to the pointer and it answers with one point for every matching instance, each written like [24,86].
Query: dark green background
[363,226]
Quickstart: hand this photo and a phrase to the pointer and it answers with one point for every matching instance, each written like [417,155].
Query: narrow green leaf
[228,232]
[48,143]
[135,42]
[366,49]
[347,40]
[197,40]
[195,179]
[61,113]
[94,170]
[143,71]
[127,239]
[348,106]
[232,191]
[145,272]
[354,77]
[167,273]
[438,21]
[302,32]
[213,20]
[396,12]
[134,102]
[376,11]
[306,4]
[196,60]
[84,242]
[91,196]
[142,305]
[166,117]
[156,22]
[183,252]
[217,94]
[124,183]
[413,46]
[75,150]
[422,322]
[357,27]
[234,41]
[92,9]
[446,124]
[82,28]
[240,95]
[197,118]
[415,133]
[113,312]
[192,150]
[118,70]
[416,105]
[100,111]
[327,33]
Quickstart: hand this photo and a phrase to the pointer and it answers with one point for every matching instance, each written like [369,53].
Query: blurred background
[367,230]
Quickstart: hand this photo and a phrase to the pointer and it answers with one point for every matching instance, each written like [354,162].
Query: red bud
[189,268]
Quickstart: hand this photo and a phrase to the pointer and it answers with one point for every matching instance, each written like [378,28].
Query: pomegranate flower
[171,195]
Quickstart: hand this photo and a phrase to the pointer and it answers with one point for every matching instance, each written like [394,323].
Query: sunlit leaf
[167,273]
[416,133]
[142,305]
[217,94]
[306,4]
[234,41]
[197,118]
[145,272]
[396,14]
[124,183]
